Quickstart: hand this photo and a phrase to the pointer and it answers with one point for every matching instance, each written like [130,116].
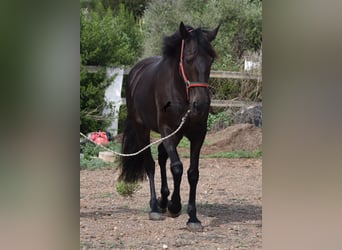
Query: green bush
[218,121]
[127,189]
[224,89]
[107,38]
[92,103]
[240,31]
[137,7]
[90,149]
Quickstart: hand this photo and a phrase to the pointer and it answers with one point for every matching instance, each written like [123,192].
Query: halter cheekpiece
[187,82]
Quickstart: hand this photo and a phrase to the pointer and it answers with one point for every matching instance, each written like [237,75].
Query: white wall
[113,96]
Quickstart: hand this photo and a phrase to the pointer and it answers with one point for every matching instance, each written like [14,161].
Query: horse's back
[141,73]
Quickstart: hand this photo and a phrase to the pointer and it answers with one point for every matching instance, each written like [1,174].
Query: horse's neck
[171,65]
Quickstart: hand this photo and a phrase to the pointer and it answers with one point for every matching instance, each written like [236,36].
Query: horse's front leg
[149,165]
[194,224]
[165,192]
[174,205]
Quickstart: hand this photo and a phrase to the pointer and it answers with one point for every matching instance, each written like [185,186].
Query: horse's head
[196,58]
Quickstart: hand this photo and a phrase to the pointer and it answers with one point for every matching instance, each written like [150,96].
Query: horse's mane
[171,44]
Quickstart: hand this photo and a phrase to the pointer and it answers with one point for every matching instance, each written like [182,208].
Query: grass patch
[90,152]
[229,154]
[114,146]
[90,149]
[218,121]
[94,163]
[235,154]
[184,143]
[127,189]
[90,162]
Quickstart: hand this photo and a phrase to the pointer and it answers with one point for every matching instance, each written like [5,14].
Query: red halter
[186,80]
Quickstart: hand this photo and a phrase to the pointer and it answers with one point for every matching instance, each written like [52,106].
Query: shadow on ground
[98,213]
[222,213]
[227,213]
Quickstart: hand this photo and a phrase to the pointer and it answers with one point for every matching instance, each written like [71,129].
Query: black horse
[159,92]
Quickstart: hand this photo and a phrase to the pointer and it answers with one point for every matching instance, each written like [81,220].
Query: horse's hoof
[156,216]
[194,226]
[172,215]
[174,210]
[162,209]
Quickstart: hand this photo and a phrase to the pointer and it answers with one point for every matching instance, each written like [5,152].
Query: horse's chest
[173,108]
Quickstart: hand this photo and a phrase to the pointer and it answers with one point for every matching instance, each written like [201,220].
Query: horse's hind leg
[165,192]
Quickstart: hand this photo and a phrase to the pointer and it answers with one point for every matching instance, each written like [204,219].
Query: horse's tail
[132,168]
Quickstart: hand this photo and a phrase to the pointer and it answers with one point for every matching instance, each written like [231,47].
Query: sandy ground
[229,204]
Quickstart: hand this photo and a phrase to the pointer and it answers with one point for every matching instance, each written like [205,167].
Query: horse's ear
[212,34]
[182,30]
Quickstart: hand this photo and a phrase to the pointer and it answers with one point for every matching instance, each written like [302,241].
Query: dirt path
[228,204]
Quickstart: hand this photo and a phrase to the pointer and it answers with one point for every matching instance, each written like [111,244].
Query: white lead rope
[155,142]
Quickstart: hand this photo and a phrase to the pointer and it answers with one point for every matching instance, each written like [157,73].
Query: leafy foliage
[90,149]
[118,32]
[92,164]
[90,153]
[92,90]
[219,120]
[108,38]
[240,29]
[136,7]
[240,33]
[126,188]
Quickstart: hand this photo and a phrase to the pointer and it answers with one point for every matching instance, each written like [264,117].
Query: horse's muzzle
[199,107]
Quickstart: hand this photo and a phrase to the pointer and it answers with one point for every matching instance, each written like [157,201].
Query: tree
[92,90]
[240,29]
[107,39]
[136,7]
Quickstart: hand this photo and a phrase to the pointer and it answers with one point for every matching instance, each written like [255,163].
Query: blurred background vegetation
[118,33]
